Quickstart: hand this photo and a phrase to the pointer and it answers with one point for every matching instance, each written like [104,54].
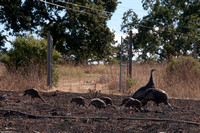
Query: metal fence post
[49,60]
[130,54]
[120,77]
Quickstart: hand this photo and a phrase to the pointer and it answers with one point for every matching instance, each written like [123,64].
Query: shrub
[183,68]
[131,83]
[29,54]
[184,63]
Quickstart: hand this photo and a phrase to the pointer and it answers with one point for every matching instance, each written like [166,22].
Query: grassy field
[105,78]
[182,83]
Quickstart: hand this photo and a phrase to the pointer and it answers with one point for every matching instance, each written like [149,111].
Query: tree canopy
[171,28]
[78,27]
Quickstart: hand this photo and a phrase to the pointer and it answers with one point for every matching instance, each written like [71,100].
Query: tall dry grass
[182,83]
[19,81]
[183,77]
[140,77]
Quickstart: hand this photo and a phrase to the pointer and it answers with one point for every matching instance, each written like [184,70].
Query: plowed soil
[57,114]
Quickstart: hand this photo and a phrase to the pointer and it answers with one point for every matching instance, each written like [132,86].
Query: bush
[29,54]
[183,64]
[131,83]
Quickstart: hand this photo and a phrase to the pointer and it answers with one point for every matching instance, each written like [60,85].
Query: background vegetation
[73,32]
[167,38]
[179,82]
[171,28]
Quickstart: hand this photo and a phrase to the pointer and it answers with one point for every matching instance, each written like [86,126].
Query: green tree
[81,33]
[169,29]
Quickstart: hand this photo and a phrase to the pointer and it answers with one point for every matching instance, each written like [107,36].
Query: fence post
[128,57]
[120,77]
[130,54]
[49,60]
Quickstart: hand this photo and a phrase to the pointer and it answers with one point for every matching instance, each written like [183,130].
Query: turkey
[139,94]
[79,101]
[107,100]
[156,95]
[33,93]
[134,103]
[125,101]
[98,103]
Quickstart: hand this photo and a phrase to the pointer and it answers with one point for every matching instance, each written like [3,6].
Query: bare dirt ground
[81,119]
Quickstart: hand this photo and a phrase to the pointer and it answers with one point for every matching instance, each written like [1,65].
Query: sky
[116,20]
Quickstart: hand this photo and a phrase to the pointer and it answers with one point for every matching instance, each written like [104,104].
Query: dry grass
[105,79]
[183,83]
[18,81]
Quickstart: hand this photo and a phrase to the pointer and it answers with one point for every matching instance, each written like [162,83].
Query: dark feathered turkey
[98,103]
[134,103]
[33,93]
[139,94]
[156,95]
[78,100]
[107,100]
[125,101]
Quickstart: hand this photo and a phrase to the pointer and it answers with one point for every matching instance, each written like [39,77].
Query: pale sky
[116,20]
